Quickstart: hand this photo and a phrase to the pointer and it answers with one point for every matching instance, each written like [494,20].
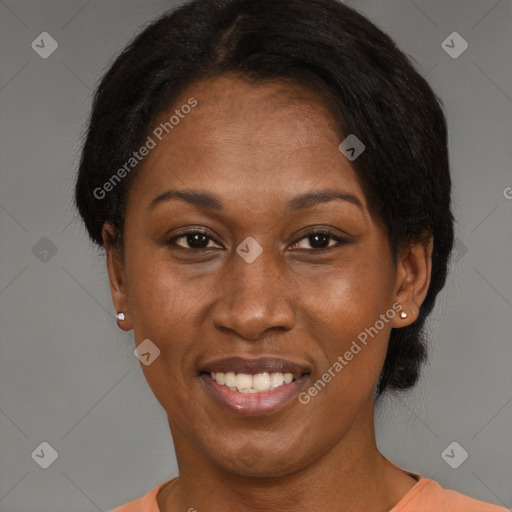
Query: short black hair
[336,52]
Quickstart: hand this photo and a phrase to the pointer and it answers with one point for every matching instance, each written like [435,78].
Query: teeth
[243,381]
[247,383]
[261,382]
[230,379]
[276,379]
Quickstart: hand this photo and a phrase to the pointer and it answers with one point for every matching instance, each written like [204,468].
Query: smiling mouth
[255,387]
[252,383]
[248,375]
[250,401]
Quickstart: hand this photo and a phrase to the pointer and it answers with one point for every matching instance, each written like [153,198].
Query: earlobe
[414,267]
[116,274]
[122,321]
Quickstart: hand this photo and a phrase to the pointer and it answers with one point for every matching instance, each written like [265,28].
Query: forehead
[271,139]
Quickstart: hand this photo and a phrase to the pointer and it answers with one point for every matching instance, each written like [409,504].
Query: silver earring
[120,316]
[403,314]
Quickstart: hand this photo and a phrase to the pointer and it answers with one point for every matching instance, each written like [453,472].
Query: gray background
[68,375]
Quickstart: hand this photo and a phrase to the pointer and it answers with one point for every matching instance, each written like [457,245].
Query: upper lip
[254,366]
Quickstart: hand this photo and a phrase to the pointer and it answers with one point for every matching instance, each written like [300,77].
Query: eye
[192,240]
[200,240]
[320,240]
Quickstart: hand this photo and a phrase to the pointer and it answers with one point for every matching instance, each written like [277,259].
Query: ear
[414,267]
[116,274]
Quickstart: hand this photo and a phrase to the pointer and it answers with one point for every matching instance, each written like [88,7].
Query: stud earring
[403,314]
[120,316]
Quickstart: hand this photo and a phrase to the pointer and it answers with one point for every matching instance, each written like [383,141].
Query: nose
[255,299]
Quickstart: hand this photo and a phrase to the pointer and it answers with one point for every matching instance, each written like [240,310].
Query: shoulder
[146,503]
[428,496]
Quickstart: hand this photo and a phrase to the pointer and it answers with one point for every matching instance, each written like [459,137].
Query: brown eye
[320,240]
[192,240]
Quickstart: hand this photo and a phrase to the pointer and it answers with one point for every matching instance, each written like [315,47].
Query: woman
[270,182]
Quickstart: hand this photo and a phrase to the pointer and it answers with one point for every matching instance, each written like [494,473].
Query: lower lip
[254,404]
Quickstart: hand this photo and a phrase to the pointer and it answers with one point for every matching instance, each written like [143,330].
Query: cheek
[160,293]
[163,307]
[351,314]
[350,296]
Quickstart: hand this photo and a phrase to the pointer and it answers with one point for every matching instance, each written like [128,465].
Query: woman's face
[262,173]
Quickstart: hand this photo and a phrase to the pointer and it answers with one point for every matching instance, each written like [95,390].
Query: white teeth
[251,390]
[261,382]
[276,379]
[243,381]
[247,383]
[230,379]
[288,377]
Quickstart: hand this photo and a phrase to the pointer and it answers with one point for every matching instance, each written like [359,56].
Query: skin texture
[256,146]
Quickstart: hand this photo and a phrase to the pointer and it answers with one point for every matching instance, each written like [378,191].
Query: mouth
[254,386]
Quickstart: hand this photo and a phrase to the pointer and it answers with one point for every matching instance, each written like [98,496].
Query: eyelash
[324,232]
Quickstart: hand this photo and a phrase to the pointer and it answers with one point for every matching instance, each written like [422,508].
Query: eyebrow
[205,200]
